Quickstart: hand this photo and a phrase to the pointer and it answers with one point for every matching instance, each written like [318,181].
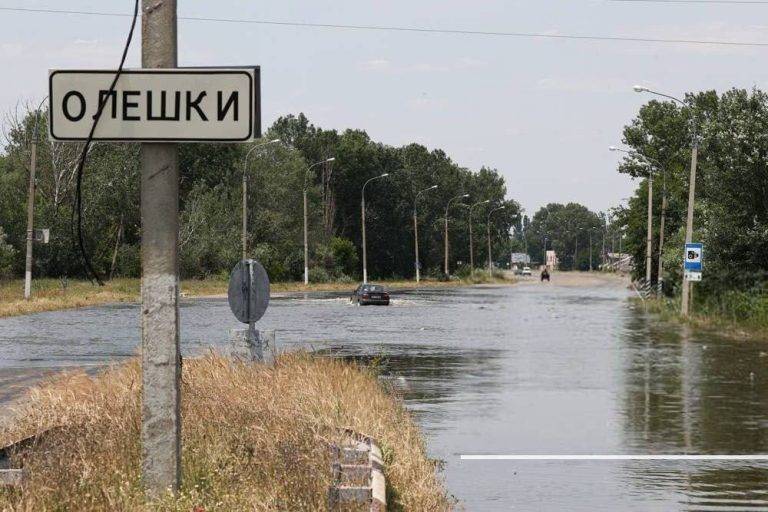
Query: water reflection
[696,392]
[428,377]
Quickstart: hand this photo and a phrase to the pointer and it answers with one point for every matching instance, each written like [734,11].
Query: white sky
[541,111]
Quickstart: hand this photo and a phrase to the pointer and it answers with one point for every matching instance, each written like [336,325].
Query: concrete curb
[358,474]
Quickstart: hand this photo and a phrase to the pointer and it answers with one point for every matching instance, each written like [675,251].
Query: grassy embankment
[49,295]
[254,438]
[737,314]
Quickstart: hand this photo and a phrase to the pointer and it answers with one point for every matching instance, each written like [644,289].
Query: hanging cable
[89,270]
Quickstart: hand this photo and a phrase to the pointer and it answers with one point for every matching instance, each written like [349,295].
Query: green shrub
[344,256]
[7,253]
[318,275]
[128,261]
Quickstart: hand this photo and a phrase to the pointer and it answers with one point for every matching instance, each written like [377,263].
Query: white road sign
[156,105]
[692,276]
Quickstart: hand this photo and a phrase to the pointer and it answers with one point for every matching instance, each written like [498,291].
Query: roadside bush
[272,262]
[750,307]
[128,261]
[318,275]
[344,278]
[463,271]
[7,253]
[344,255]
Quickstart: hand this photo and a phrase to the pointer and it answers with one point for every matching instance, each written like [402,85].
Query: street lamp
[488,229]
[445,235]
[416,229]
[649,236]
[306,243]
[362,216]
[471,248]
[575,233]
[245,193]
[691,190]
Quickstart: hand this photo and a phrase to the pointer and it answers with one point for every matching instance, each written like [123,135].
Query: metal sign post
[248,297]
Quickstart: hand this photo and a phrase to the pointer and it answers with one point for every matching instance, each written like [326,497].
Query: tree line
[731,207]
[277,174]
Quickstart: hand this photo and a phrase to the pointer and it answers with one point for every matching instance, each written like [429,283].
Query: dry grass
[745,327]
[254,438]
[50,295]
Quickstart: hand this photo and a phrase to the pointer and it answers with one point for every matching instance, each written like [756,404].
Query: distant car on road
[373,294]
[526,271]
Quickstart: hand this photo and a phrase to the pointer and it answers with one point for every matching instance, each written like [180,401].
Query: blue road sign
[694,254]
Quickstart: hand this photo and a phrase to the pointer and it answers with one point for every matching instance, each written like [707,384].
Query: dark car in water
[370,294]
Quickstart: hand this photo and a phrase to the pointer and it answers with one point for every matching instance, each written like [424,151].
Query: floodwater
[524,370]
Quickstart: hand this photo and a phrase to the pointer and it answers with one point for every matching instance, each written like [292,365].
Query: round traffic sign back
[248,291]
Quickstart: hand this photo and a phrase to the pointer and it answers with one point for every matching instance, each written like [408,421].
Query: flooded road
[527,369]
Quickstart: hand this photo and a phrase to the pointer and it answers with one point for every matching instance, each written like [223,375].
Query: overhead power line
[385,28]
[714,2]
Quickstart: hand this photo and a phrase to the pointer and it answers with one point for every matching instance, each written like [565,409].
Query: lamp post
[488,232]
[576,250]
[306,243]
[471,247]
[362,216]
[649,236]
[685,308]
[31,207]
[445,235]
[416,230]
[245,193]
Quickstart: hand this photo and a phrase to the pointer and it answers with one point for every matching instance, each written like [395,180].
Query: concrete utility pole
[685,300]
[576,252]
[362,214]
[660,277]
[445,234]
[471,247]
[160,356]
[685,306]
[31,206]
[602,249]
[245,194]
[416,230]
[488,232]
[306,237]
[649,235]
[590,250]
[649,231]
